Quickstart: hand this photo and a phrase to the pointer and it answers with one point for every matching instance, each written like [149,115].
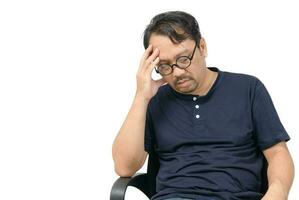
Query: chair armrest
[139,180]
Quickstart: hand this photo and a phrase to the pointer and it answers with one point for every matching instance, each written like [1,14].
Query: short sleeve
[149,132]
[267,125]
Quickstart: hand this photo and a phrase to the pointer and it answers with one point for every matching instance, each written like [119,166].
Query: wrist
[139,97]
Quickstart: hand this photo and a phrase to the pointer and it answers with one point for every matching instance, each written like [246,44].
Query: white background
[67,80]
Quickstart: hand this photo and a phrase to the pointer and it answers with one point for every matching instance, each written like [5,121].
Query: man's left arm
[280,172]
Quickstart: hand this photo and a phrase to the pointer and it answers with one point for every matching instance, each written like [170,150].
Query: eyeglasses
[182,62]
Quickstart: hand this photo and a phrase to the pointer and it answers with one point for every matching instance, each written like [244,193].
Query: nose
[177,72]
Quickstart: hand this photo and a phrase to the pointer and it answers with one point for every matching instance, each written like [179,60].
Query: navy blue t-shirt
[212,145]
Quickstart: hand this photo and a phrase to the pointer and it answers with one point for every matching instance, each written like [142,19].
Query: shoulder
[240,77]
[241,80]
[163,94]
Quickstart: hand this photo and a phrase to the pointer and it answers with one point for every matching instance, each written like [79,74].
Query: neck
[208,82]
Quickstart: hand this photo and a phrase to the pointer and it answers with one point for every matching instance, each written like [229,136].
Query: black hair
[177,25]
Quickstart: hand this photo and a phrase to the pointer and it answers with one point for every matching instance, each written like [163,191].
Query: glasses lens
[164,69]
[183,62]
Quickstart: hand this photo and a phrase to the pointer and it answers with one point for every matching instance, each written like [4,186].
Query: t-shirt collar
[193,97]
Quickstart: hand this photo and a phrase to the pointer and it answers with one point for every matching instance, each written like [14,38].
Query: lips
[182,81]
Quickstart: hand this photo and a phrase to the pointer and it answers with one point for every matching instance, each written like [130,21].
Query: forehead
[168,49]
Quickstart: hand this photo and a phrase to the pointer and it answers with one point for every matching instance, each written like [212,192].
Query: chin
[185,90]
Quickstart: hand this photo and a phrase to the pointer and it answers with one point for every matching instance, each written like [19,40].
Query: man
[210,128]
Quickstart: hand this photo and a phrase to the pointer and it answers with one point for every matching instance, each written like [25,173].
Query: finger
[148,62]
[152,65]
[151,58]
[145,55]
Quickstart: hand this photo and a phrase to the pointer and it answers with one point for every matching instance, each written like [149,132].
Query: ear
[203,47]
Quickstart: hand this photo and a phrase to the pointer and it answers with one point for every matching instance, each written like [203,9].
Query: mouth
[183,83]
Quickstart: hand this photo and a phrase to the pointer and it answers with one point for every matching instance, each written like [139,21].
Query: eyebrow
[167,60]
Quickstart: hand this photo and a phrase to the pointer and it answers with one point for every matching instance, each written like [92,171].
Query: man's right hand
[146,86]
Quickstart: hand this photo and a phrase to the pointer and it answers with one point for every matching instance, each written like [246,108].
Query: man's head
[182,50]
[176,25]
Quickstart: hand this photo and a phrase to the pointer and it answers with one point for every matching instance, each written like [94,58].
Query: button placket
[197,115]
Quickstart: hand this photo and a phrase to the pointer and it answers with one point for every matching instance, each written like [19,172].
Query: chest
[182,123]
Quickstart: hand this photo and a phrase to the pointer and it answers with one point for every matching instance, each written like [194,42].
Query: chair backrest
[264,186]
[153,168]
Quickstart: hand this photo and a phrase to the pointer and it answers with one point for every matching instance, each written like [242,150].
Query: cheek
[196,71]
[192,73]
[168,79]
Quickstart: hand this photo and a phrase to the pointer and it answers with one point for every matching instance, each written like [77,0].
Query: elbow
[121,169]
[123,172]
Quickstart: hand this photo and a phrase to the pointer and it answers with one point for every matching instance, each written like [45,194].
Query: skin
[280,172]
[128,147]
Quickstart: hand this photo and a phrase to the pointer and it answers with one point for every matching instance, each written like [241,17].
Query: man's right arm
[128,148]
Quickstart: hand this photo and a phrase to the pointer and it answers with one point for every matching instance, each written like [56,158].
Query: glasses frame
[176,61]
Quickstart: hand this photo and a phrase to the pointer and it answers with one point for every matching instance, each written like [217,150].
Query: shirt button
[197,116]
[194,98]
[197,106]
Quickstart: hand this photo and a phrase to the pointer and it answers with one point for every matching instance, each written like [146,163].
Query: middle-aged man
[209,128]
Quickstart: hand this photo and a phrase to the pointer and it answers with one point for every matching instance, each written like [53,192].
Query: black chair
[146,182]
